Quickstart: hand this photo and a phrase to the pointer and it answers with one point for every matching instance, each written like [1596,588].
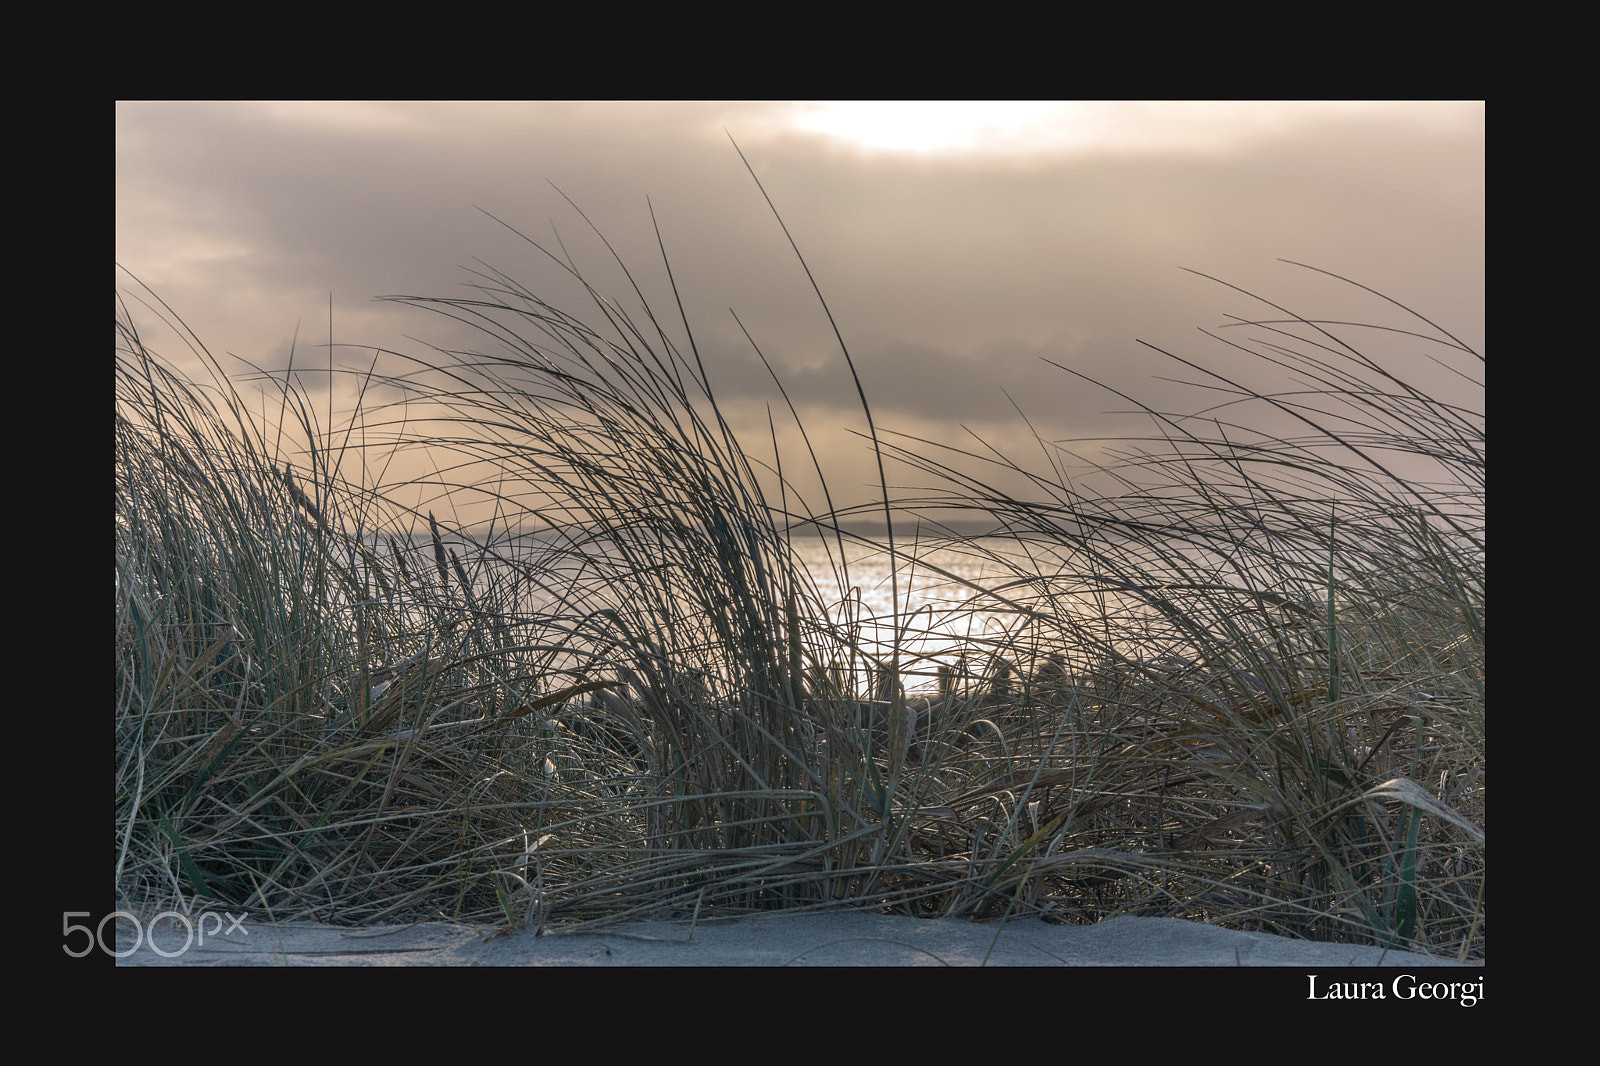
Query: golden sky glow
[964,248]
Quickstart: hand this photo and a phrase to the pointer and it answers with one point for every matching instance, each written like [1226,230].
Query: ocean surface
[952,601]
[968,599]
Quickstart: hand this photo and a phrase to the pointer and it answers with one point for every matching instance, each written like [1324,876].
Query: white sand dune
[833,938]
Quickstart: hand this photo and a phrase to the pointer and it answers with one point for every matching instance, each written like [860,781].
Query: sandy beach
[833,938]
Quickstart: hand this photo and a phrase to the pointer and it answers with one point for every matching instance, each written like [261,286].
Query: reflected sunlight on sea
[945,608]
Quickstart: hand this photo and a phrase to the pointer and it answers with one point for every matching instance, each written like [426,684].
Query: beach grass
[1245,686]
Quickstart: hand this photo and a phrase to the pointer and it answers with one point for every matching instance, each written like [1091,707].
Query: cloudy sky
[959,246]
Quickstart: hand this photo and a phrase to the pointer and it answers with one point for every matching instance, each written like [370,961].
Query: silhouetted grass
[1246,687]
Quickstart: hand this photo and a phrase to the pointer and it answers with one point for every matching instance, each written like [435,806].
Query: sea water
[950,606]
[957,604]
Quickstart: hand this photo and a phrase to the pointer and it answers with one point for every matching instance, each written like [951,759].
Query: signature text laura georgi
[1405,986]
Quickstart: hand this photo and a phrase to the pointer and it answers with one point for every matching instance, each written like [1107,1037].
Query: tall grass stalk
[1245,685]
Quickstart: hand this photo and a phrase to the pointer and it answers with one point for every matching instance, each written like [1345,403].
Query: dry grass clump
[315,715]
[1273,716]
[1245,688]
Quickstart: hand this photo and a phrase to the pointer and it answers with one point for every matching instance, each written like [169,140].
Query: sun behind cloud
[947,128]
[937,127]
